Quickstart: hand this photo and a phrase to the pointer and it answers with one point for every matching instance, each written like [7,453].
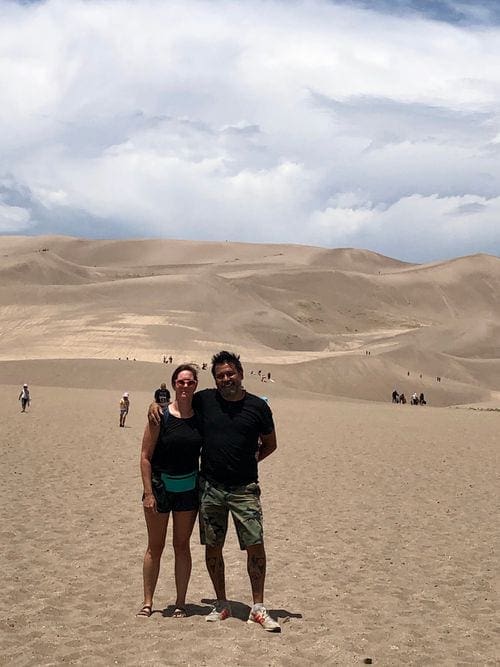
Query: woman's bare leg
[157,530]
[183,527]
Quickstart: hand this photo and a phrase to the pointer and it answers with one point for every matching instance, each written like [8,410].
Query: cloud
[13,218]
[411,221]
[311,122]
[450,11]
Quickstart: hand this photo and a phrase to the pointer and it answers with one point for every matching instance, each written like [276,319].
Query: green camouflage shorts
[244,504]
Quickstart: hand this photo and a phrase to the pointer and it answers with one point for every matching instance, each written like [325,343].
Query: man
[238,432]
[162,395]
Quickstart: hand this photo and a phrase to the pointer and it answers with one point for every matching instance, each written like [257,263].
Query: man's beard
[229,391]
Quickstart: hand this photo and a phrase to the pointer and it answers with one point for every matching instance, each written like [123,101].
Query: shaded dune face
[310,314]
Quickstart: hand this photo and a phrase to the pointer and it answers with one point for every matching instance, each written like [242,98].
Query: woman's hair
[184,367]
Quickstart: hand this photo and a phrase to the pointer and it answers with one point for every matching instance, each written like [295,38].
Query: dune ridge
[282,305]
[378,517]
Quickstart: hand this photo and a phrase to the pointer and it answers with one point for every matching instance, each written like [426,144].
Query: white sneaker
[261,616]
[220,611]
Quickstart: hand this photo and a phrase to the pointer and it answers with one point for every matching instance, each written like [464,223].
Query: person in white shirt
[24,397]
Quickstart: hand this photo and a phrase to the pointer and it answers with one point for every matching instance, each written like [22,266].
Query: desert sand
[380,519]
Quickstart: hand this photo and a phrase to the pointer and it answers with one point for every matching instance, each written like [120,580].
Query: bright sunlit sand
[378,517]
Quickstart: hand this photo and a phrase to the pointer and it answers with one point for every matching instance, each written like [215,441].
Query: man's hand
[155,413]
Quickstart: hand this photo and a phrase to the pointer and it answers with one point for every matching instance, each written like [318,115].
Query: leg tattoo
[215,567]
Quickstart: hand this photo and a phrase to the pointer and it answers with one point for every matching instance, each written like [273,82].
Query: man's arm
[268,445]
[155,412]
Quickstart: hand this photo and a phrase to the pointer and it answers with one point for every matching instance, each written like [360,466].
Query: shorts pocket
[253,488]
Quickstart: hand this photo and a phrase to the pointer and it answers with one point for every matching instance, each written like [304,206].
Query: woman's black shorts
[170,501]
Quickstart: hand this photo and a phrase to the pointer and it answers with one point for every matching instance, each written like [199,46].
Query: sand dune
[64,297]
[378,516]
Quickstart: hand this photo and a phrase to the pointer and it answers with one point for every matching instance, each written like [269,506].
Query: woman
[169,467]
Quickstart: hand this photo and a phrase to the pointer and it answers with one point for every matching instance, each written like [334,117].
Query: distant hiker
[162,395]
[402,399]
[422,400]
[414,399]
[395,396]
[124,408]
[24,397]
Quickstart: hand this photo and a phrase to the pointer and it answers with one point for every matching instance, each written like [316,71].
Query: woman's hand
[149,502]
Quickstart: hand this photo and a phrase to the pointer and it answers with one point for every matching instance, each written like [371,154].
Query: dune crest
[354,313]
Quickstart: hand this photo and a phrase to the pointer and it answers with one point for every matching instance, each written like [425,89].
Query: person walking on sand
[162,395]
[24,397]
[124,408]
[169,467]
[238,432]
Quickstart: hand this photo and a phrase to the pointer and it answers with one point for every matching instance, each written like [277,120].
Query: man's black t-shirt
[162,395]
[231,430]
[177,451]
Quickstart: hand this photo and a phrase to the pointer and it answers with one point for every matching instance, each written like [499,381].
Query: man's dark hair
[225,357]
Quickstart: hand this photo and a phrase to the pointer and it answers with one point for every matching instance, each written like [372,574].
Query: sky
[333,123]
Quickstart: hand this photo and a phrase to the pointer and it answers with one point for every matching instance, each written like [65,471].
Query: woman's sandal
[145,611]
[179,612]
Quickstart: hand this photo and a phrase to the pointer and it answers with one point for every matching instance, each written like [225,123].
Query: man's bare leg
[256,567]
[256,564]
[215,567]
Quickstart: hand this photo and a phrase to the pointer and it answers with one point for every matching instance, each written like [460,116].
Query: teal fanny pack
[178,483]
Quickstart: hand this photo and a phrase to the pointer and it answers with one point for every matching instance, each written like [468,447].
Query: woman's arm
[149,440]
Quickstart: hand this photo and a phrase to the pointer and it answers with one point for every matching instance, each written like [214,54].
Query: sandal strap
[145,610]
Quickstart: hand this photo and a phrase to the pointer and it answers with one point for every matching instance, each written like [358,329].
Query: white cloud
[13,218]
[262,121]
[467,221]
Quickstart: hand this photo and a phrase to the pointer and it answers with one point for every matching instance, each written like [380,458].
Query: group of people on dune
[228,431]
[415,398]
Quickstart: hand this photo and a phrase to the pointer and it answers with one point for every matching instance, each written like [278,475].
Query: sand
[379,526]
[380,519]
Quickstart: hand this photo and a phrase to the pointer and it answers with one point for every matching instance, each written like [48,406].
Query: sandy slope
[378,517]
[62,297]
[378,529]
